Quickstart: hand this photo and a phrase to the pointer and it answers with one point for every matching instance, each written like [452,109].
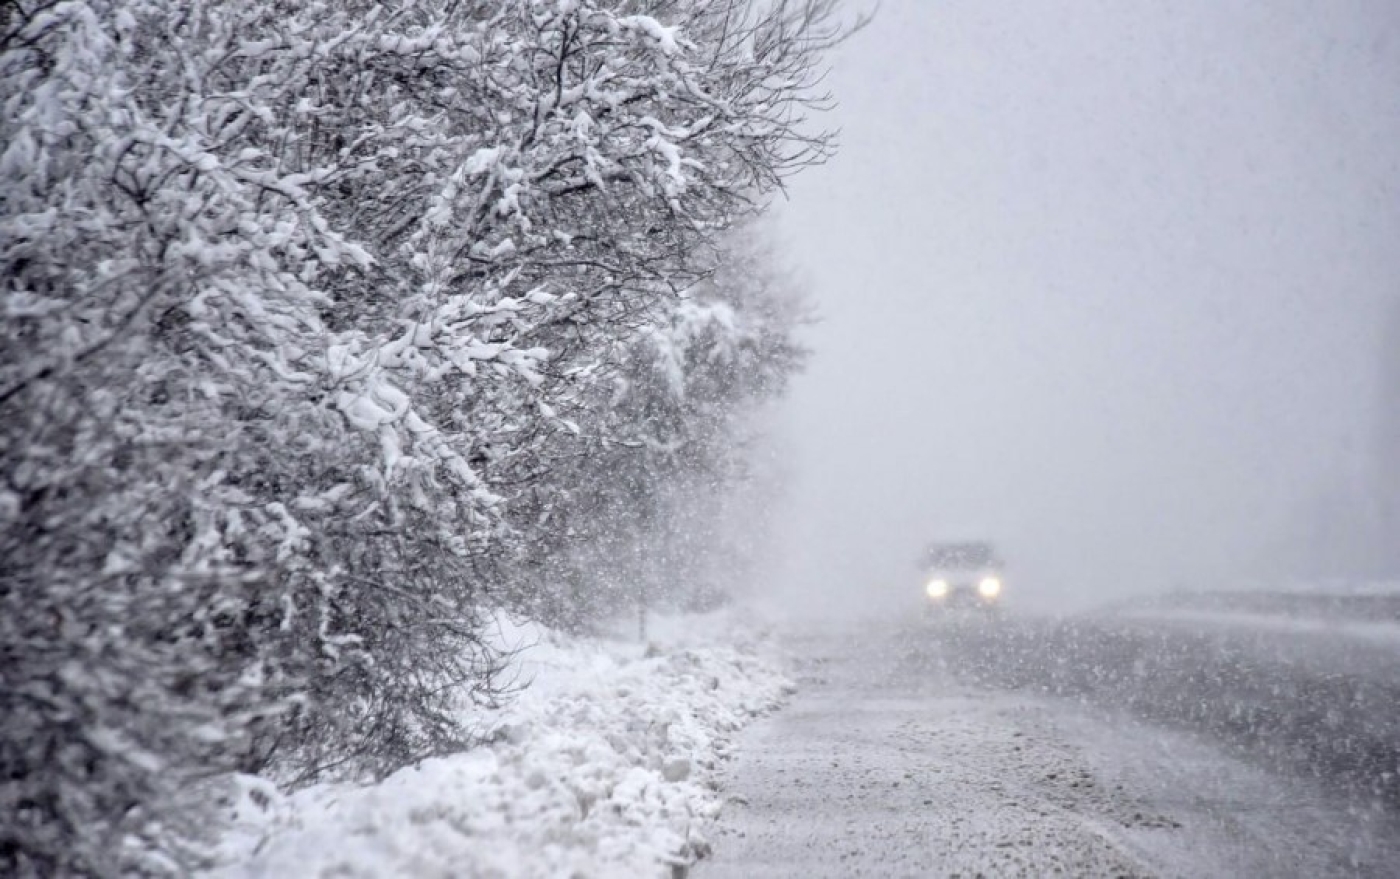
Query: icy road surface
[897,758]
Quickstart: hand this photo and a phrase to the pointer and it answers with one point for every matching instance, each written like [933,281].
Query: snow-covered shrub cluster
[326,324]
[605,766]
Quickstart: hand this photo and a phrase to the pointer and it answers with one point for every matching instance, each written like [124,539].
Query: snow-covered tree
[675,427]
[315,318]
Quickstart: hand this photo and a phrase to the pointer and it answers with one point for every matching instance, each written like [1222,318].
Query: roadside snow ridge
[603,767]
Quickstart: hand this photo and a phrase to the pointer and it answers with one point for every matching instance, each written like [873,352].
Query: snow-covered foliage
[670,426]
[325,323]
[604,766]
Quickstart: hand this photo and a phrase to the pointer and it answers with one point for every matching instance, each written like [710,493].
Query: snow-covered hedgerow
[325,325]
[603,767]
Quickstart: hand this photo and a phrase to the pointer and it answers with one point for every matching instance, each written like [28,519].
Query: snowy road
[1314,694]
[964,751]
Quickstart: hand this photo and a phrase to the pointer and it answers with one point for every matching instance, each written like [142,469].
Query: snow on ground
[603,766]
[892,761]
[1383,632]
[883,766]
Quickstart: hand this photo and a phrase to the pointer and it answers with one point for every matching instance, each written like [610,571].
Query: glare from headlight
[990,587]
[937,588]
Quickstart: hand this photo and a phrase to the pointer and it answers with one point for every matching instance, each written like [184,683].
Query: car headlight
[937,588]
[990,587]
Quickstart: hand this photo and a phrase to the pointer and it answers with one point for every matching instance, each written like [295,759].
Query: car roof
[961,554]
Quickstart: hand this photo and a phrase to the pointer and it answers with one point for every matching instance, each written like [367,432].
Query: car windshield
[961,556]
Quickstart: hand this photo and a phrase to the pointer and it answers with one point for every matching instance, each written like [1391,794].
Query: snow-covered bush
[315,318]
[673,426]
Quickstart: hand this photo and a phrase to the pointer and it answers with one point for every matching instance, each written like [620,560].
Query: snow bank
[602,767]
[1384,632]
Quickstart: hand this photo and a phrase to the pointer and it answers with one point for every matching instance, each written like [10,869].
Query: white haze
[1099,280]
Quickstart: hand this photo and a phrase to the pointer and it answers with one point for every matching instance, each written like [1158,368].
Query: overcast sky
[1099,280]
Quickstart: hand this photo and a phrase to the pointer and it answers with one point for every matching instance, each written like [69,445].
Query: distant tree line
[329,326]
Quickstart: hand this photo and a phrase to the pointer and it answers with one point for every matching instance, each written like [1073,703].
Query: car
[962,575]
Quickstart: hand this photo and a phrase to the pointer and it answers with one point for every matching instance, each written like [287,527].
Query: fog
[1099,281]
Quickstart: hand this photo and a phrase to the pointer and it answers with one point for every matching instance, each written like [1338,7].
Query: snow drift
[604,766]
